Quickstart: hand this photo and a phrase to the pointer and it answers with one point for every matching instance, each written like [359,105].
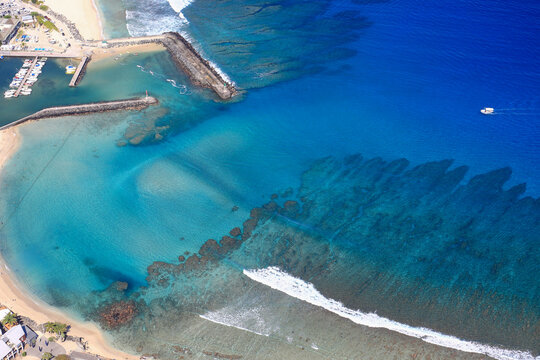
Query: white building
[14,340]
[28,19]
[4,312]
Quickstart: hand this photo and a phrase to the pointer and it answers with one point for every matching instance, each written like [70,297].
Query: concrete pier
[18,92]
[79,73]
[84,109]
[26,54]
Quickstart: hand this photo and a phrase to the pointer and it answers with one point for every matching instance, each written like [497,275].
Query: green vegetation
[62,357]
[52,339]
[10,319]
[34,13]
[44,7]
[34,1]
[56,328]
[24,354]
[49,25]
[47,356]
[7,16]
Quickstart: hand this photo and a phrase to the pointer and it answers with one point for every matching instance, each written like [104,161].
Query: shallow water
[109,195]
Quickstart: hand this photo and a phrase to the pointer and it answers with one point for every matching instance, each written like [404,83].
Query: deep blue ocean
[357,160]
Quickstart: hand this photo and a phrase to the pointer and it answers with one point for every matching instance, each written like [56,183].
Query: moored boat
[70,69]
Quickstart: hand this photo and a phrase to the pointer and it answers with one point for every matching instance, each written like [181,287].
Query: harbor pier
[30,54]
[23,82]
[79,73]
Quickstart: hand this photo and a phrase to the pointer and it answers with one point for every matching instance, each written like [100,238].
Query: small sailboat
[70,69]
[488,111]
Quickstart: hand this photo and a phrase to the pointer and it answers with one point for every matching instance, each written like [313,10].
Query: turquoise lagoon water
[421,241]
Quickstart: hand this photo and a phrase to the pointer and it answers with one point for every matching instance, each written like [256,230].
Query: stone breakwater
[198,69]
[83,109]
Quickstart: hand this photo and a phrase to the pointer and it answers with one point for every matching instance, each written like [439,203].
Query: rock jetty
[199,70]
[83,109]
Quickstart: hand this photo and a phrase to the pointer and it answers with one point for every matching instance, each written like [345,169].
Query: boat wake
[183,90]
[299,289]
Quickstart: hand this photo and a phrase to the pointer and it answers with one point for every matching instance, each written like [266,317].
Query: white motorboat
[488,111]
[70,69]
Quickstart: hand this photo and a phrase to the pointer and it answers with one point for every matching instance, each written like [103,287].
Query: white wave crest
[153,17]
[299,289]
[229,321]
[179,5]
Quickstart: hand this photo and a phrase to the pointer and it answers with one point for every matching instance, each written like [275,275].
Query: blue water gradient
[109,195]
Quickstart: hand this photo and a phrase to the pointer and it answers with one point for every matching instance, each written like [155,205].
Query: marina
[25,78]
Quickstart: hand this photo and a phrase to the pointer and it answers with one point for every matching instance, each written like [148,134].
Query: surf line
[305,291]
[212,319]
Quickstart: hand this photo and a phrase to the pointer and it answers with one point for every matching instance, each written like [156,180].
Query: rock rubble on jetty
[98,107]
[199,70]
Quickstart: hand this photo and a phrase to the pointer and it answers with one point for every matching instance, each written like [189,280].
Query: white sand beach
[9,143]
[105,53]
[83,13]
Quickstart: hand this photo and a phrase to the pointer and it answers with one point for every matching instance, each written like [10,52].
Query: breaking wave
[178,6]
[233,320]
[299,289]
[153,17]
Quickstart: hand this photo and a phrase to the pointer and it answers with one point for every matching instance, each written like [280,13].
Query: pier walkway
[14,53]
[76,77]
[18,92]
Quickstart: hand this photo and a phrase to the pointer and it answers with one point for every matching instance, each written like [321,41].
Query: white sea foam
[179,5]
[229,321]
[153,17]
[222,73]
[297,288]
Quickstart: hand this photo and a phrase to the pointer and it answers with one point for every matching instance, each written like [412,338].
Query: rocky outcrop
[117,314]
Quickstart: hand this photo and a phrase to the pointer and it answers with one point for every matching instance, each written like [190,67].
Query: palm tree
[10,319]
[61,329]
[49,327]
[56,328]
